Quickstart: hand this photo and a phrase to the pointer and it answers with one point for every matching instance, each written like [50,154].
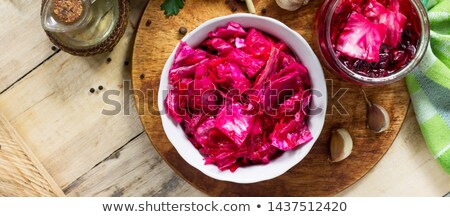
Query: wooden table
[45,95]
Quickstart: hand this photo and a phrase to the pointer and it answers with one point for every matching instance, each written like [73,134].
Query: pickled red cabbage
[369,26]
[394,21]
[361,38]
[241,97]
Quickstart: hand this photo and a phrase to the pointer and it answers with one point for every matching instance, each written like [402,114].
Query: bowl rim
[264,176]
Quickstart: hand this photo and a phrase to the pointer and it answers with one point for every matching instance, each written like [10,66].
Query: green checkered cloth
[429,84]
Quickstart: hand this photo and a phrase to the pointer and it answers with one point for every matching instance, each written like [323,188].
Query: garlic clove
[291,5]
[341,145]
[377,118]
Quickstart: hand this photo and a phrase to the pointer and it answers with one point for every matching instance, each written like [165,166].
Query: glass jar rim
[421,48]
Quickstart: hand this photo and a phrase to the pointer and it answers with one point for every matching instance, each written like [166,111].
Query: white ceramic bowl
[280,165]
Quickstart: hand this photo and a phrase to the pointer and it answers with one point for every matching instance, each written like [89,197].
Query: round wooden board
[314,175]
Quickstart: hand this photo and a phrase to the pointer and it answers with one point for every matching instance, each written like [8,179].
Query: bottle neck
[66,15]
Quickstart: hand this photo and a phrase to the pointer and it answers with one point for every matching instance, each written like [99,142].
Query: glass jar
[327,54]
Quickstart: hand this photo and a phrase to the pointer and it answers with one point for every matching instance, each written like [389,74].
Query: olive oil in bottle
[80,24]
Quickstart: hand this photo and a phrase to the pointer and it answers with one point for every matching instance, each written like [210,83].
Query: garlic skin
[291,5]
[377,118]
[341,145]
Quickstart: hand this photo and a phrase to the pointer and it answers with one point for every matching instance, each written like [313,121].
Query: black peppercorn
[142,76]
[126,63]
[100,87]
[182,30]
[264,11]
[54,48]
[108,60]
[148,23]
[92,90]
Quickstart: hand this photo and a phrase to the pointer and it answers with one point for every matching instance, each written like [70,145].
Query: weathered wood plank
[134,170]
[62,121]
[23,43]
[90,154]
[407,169]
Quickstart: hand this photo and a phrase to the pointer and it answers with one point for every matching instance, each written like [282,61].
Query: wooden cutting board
[156,38]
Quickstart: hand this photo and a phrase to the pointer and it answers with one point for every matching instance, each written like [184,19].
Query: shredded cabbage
[241,97]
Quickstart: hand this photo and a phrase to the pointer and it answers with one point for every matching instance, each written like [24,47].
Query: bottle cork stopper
[68,11]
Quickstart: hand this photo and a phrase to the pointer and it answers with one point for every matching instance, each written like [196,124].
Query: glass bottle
[79,24]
